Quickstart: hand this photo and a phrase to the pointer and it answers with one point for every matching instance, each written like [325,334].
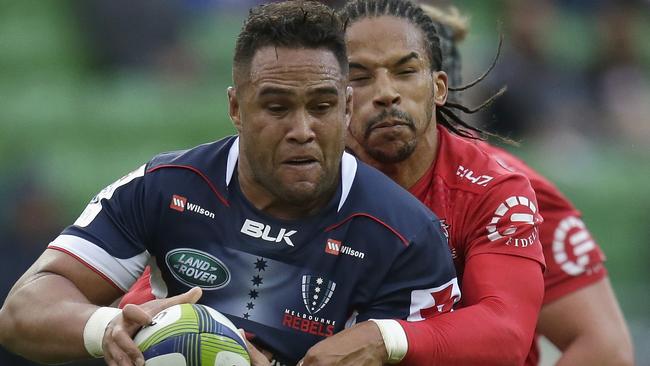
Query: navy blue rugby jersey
[373,252]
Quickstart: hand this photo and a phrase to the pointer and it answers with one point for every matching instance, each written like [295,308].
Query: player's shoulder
[547,193]
[200,157]
[464,164]
[380,198]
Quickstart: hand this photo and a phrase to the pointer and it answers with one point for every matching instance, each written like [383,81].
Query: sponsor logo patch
[263,231]
[197,268]
[178,203]
[334,247]
[572,246]
[512,217]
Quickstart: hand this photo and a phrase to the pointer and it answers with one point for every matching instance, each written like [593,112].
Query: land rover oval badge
[197,268]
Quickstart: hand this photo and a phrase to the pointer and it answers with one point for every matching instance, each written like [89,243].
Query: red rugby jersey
[486,209]
[573,258]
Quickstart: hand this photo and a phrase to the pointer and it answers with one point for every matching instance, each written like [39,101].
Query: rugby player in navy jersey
[277,228]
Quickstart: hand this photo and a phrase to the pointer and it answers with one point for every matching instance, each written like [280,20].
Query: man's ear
[348,105]
[440,90]
[233,108]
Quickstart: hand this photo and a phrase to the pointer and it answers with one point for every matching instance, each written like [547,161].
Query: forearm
[589,351]
[503,297]
[43,319]
[588,326]
[469,336]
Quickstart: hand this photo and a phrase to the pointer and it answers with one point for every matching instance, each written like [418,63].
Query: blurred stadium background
[89,90]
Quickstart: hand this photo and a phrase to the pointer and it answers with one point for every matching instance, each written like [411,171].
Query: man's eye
[407,72]
[276,108]
[359,78]
[323,107]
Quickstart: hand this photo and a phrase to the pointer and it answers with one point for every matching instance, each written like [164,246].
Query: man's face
[292,111]
[393,87]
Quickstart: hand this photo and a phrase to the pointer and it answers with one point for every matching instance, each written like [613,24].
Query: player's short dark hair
[356,10]
[291,24]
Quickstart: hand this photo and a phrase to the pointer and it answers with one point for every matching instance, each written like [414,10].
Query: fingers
[126,344]
[257,358]
[119,348]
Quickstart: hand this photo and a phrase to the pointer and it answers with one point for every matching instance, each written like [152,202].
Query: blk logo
[178,203]
[263,231]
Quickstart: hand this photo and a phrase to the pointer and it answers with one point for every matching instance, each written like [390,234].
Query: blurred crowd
[577,72]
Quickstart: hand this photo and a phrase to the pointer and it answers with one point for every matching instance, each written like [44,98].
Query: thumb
[134,315]
[189,297]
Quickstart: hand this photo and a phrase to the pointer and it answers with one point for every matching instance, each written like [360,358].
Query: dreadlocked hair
[356,10]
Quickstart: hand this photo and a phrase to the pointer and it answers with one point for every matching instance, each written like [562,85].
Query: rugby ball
[192,334]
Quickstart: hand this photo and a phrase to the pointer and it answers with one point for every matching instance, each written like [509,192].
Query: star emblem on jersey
[260,265]
[257,280]
[516,213]
[316,292]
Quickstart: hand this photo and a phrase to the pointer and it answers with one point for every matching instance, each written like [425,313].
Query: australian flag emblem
[316,292]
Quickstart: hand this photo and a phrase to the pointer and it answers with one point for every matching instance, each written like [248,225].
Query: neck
[274,206]
[407,172]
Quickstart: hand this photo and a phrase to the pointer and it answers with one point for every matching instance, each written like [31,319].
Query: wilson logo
[197,268]
[335,247]
[180,204]
[263,231]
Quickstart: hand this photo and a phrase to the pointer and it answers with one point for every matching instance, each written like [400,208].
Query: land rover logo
[196,268]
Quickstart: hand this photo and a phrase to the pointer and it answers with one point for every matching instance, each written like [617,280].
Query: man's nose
[386,94]
[301,130]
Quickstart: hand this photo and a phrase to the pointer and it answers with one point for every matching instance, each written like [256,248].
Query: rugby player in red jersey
[577,290]
[402,125]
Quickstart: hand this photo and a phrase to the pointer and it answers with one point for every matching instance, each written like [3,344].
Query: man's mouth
[300,161]
[390,124]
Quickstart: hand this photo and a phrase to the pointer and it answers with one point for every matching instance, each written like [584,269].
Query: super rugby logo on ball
[197,268]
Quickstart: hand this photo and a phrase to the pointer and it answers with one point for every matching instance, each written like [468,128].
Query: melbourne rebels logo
[510,219]
[316,292]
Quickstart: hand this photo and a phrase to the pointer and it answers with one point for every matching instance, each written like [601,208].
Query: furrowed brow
[407,58]
[273,90]
[324,90]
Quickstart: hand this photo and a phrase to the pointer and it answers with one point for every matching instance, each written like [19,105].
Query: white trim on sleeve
[123,272]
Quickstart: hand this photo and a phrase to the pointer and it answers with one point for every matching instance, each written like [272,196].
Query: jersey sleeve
[502,296]
[574,259]
[505,221]
[110,234]
[421,282]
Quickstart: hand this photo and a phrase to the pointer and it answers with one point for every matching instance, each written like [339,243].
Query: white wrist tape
[394,339]
[95,329]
